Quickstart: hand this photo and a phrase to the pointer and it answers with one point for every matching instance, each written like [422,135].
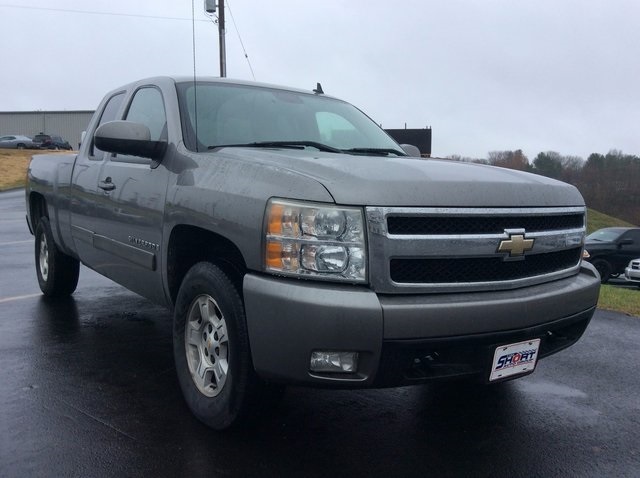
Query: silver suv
[632,271]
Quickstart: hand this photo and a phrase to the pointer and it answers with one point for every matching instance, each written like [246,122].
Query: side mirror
[625,242]
[411,150]
[127,137]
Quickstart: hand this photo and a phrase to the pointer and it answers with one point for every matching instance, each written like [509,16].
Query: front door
[85,195]
[132,191]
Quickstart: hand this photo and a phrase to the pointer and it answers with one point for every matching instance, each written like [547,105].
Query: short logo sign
[514,359]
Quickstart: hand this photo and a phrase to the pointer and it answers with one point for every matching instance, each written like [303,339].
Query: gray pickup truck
[297,243]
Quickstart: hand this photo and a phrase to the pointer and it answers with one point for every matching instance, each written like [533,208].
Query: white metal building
[68,124]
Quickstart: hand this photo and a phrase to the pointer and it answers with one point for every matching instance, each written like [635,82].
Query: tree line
[609,183]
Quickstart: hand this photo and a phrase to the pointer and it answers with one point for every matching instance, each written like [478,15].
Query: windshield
[605,235]
[229,114]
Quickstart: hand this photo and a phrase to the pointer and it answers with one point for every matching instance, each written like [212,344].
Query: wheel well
[37,209]
[189,245]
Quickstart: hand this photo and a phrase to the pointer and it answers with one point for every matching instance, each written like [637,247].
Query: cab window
[147,108]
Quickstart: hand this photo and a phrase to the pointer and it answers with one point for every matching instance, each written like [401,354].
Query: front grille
[433,225]
[483,269]
[443,250]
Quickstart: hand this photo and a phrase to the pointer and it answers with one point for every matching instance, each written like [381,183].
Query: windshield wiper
[378,151]
[282,144]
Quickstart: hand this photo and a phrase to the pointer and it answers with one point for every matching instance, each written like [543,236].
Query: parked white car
[632,271]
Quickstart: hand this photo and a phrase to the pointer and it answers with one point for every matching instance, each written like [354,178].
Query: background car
[17,141]
[610,249]
[632,271]
[54,142]
[41,138]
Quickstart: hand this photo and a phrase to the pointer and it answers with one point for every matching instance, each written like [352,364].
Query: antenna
[195,86]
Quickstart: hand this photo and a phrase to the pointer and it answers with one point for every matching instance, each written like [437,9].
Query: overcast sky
[486,75]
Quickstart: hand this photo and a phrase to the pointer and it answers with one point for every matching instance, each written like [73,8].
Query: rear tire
[211,348]
[57,272]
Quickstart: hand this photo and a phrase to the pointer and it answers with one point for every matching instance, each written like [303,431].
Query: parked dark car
[610,249]
[41,138]
[55,142]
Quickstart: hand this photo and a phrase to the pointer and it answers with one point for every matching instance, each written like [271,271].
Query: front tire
[211,348]
[604,269]
[57,272]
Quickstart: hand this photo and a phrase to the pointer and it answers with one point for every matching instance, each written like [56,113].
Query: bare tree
[509,159]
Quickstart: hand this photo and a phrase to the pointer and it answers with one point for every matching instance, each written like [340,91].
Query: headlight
[315,240]
[585,254]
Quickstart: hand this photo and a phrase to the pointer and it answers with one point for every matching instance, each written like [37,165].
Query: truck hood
[392,181]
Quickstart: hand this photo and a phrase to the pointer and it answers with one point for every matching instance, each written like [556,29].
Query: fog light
[336,362]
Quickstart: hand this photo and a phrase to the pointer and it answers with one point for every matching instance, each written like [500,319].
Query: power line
[240,38]
[215,20]
[93,12]
[133,15]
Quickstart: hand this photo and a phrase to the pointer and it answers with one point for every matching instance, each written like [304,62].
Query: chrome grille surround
[469,247]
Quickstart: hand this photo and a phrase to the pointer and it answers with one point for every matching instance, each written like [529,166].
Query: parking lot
[88,388]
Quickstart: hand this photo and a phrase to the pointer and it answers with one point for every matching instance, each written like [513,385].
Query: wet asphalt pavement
[88,388]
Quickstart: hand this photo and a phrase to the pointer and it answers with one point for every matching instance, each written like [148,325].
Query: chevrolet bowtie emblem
[516,245]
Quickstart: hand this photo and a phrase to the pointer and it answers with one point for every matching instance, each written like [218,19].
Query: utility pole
[221,32]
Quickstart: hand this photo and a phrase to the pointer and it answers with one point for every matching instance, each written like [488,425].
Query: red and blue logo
[515,359]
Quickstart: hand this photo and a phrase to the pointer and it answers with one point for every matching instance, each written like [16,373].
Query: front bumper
[632,275]
[405,338]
